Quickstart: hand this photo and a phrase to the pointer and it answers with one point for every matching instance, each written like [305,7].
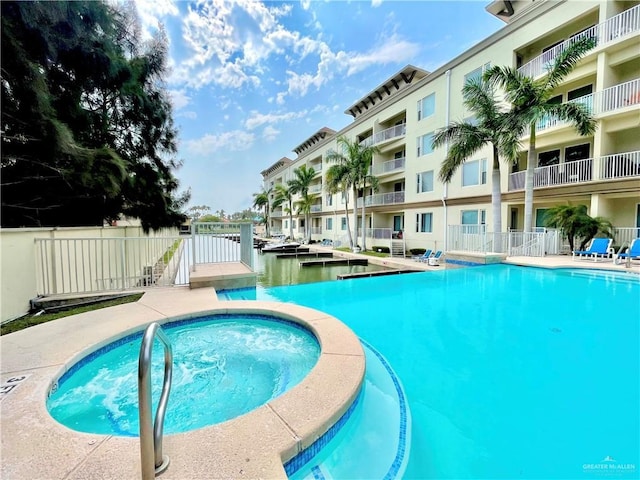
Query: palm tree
[336,180]
[303,206]
[369,182]
[531,102]
[356,160]
[465,139]
[261,200]
[284,195]
[574,221]
[300,185]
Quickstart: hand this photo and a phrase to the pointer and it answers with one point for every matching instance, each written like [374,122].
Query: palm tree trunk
[346,216]
[291,221]
[266,219]
[355,217]
[528,181]
[496,203]
[364,223]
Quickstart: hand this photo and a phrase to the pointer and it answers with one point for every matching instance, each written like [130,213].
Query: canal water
[273,271]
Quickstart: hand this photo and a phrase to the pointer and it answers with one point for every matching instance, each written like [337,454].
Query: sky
[251,80]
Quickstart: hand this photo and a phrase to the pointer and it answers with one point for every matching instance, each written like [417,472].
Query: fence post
[194,226]
[122,262]
[54,270]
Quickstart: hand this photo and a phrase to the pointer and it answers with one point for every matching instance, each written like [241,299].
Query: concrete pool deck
[254,445]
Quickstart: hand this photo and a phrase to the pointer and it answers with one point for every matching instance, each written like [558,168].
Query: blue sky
[252,80]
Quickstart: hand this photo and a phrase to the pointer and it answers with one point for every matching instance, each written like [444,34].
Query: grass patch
[168,255]
[31,320]
[370,253]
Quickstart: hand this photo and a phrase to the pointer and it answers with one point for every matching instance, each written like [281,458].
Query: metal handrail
[152,460]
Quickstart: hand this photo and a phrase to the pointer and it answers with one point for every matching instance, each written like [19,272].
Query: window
[474,173]
[577,152]
[328,223]
[541,213]
[343,223]
[425,181]
[424,222]
[580,92]
[329,200]
[425,144]
[473,217]
[293,223]
[552,157]
[426,106]
[286,224]
[477,73]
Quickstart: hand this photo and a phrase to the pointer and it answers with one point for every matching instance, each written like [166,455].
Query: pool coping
[254,445]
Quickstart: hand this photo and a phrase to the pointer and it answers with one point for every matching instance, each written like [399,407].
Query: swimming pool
[510,372]
[224,366]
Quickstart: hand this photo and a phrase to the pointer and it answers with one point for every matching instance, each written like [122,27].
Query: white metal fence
[476,238]
[85,265]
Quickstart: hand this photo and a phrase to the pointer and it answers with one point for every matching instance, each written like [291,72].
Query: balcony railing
[315,188]
[383,199]
[607,100]
[316,230]
[619,165]
[384,135]
[316,208]
[391,166]
[620,25]
[611,167]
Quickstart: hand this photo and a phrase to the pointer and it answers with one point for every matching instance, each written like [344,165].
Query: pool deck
[251,446]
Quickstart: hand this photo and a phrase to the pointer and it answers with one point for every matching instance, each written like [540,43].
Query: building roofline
[319,137]
[283,162]
[386,89]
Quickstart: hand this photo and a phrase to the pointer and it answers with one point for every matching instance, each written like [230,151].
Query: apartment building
[400,116]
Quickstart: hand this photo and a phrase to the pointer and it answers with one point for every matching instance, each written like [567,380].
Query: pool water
[510,372]
[224,366]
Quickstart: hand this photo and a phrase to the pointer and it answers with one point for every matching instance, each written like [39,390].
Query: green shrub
[417,251]
[381,249]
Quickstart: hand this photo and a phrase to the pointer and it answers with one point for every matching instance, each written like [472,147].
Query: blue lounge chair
[435,260]
[633,252]
[599,248]
[424,257]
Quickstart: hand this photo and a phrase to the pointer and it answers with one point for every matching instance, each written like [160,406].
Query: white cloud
[151,13]
[179,99]
[257,119]
[269,133]
[190,115]
[389,50]
[305,4]
[208,145]
[376,3]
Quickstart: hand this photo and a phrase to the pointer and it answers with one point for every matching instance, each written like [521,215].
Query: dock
[378,273]
[335,261]
[306,255]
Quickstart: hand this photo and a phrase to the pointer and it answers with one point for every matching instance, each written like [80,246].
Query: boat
[276,247]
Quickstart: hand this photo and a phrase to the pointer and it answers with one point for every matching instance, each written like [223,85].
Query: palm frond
[566,60]
[576,113]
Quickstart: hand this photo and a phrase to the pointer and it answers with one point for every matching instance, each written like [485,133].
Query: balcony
[610,167]
[390,198]
[315,188]
[316,208]
[608,100]
[385,168]
[623,24]
[384,136]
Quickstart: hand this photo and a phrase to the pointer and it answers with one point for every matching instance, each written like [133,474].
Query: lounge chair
[424,257]
[599,248]
[435,260]
[633,252]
